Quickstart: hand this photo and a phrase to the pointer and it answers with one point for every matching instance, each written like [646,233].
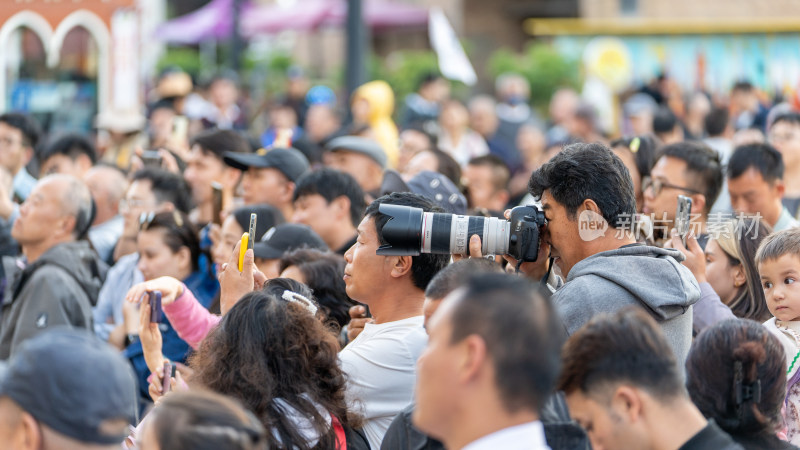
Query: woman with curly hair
[272,353]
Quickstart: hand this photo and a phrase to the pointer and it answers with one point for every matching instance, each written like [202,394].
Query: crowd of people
[133,312]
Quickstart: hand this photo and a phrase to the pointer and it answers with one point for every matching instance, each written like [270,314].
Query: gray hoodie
[650,277]
[59,288]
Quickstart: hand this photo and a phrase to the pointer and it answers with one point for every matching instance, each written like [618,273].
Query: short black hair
[167,187]
[626,347]
[458,274]
[71,145]
[217,142]
[424,266]
[762,157]
[664,120]
[500,173]
[428,78]
[332,184]
[716,121]
[742,85]
[493,304]
[588,171]
[703,165]
[790,117]
[27,125]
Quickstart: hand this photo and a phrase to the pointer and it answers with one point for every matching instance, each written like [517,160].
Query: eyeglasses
[781,137]
[658,185]
[127,205]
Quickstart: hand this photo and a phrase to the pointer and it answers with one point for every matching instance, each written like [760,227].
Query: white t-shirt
[380,365]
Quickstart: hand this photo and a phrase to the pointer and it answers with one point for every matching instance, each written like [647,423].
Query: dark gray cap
[287,237]
[289,161]
[440,189]
[74,383]
[356,144]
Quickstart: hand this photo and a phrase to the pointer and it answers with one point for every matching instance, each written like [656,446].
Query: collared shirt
[528,436]
[785,221]
[23,184]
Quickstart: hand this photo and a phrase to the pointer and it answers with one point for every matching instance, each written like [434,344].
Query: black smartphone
[683,217]
[155,307]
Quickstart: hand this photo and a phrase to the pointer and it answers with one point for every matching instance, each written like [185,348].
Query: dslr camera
[410,231]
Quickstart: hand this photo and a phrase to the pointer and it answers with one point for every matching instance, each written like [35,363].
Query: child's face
[780,279]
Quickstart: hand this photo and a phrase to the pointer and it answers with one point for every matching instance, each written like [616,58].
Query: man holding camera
[588,201]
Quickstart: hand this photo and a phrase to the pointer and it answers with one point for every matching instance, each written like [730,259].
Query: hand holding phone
[248,239]
[156,313]
[683,216]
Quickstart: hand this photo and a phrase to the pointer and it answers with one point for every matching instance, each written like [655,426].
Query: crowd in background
[636,338]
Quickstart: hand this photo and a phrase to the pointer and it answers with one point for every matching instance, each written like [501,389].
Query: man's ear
[780,188]
[28,156]
[627,402]
[698,204]
[473,356]
[401,266]
[341,205]
[288,193]
[590,205]
[31,432]
[230,177]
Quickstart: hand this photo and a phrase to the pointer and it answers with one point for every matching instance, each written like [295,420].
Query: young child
[778,260]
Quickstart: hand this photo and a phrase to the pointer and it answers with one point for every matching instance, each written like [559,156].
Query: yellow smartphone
[247,243]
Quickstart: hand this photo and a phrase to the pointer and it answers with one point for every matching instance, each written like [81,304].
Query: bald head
[107,186]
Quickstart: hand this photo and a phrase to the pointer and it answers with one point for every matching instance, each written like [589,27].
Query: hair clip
[635,143]
[177,218]
[743,392]
[294,297]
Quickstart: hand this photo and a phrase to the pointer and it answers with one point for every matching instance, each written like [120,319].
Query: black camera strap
[546,275]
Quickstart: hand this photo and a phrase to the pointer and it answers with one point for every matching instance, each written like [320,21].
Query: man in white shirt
[482,386]
[380,362]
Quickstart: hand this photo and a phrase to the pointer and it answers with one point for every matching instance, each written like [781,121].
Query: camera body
[527,223]
[410,231]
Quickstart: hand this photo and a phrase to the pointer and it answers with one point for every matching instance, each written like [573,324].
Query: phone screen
[155,307]
[682,217]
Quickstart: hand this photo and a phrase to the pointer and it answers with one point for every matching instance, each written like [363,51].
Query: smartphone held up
[248,239]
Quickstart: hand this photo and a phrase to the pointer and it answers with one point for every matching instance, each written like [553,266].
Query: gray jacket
[649,277]
[60,288]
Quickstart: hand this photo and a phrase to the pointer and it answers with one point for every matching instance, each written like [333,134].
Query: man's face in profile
[562,233]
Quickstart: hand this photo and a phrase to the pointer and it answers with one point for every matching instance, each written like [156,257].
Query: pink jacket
[190,319]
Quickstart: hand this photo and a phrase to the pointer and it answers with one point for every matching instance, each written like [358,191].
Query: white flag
[453,62]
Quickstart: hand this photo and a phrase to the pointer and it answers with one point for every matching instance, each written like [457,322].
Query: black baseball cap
[289,161]
[287,237]
[74,383]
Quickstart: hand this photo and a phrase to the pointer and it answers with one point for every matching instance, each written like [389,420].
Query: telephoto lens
[410,231]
